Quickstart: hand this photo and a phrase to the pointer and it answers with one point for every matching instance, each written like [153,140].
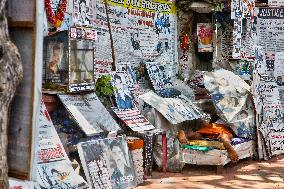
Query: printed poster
[123,95]
[230,95]
[173,109]
[237,38]
[83,13]
[134,119]
[107,163]
[205,36]
[141,30]
[53,169]
[20,184]
[56,58]
[268,105]
[158,77]
[81,65]
[88,111]
[267,77]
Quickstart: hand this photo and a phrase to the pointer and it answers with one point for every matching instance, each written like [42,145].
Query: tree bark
[11,72]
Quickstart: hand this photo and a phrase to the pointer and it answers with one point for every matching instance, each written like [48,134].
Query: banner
[268,74]
[88,111]
[107,164]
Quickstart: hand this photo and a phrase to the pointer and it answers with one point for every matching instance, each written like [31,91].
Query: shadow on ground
[245,174]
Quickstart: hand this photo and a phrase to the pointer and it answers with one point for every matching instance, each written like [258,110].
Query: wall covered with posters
[141,31]
[268,79]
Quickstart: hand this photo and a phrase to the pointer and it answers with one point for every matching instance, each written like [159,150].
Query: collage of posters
[107,163]
[140,33]
[53,167]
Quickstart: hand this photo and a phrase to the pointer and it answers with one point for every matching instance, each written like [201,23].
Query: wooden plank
[20,24]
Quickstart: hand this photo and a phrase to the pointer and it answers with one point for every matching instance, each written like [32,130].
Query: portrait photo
[83,12]
[123,95]
[56,58]
[107,163]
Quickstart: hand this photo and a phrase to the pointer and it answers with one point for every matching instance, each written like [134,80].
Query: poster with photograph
[53,167]
[134,119]
[90,114]
[83,12]
[123,95]
[56,58]
[81,65]
[228,91]
[231,97]
[158,77]
[205,36]
[107,163]
[175,110]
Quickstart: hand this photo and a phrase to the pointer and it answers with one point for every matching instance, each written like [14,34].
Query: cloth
[214,130]
[200,148]
[206,143]
[236,141]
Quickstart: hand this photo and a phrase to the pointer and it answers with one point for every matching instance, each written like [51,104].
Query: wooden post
[11,72]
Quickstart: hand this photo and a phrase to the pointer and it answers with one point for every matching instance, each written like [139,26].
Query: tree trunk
[11,72]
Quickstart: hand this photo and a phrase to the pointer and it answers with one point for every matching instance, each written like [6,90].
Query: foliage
[104,87]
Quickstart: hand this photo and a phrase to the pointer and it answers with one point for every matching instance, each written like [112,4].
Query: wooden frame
[25,25]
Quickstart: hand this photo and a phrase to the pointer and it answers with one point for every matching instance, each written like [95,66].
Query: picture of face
[124,98]
[83,12]
[55,57]
[120,168]
[109,162]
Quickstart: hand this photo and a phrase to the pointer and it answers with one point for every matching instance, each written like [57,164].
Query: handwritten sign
[91,115]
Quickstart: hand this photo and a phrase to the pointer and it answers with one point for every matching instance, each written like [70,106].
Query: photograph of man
[121,172]
[124,98]
[84,11]
[55,58]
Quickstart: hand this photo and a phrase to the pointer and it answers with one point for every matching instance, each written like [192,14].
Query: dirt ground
[245,174]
